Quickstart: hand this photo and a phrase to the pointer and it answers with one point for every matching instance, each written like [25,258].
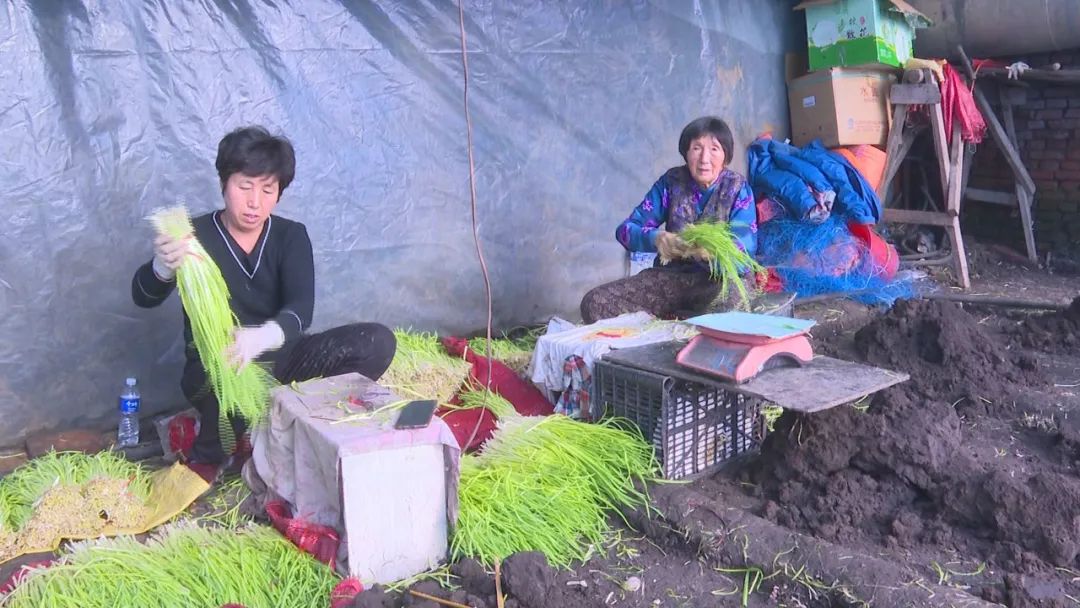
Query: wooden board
[894,149]
[1012,156]
[969,156]
[819,385]
[912,216]
[959,254]
[956,171]
[1023,195]
[1066,76]
[1025,199]
[991,196]
[915,94]
[941,148]
[1010,122]
[823,383]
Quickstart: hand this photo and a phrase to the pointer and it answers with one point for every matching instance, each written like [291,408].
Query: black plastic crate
[695,427]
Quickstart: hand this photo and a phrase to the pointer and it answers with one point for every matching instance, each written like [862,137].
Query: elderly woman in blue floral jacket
[702,189]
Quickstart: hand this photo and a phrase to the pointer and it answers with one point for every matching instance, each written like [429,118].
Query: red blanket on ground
[478,424]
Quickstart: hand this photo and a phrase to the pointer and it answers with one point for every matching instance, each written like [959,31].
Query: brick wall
[1048,129]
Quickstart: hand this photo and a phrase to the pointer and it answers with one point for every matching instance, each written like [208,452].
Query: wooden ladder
[1023,194]
[920,87]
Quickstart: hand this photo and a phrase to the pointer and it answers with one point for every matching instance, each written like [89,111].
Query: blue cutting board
[752,324]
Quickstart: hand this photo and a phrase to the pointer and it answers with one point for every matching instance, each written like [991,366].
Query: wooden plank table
[823,383]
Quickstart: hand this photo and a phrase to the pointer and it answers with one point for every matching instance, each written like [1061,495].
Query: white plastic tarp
[110,109]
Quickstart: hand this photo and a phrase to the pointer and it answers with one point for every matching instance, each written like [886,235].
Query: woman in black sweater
[267,264]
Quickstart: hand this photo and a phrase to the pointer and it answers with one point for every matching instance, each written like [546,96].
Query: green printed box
[849,33]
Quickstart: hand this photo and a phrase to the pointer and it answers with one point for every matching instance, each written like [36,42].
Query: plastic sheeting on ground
[111,109]
[172,490]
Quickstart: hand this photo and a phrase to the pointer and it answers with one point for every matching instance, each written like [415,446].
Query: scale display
[713,355]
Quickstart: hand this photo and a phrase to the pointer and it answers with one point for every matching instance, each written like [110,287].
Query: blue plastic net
[813,259]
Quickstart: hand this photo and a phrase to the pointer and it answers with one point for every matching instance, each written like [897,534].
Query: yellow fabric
[934,65]
[171,491]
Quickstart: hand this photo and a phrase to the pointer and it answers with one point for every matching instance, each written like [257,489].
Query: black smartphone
[416,414]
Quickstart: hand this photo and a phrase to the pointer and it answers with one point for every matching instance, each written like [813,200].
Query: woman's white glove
[671,246]
[250,342]
[168,255]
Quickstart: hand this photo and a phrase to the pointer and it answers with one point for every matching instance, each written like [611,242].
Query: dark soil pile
[528,581]
[475,588]
[912,472]
[947,353]
[1057,332]
[898,476]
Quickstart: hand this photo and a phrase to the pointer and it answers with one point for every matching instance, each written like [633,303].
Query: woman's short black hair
[253,151]
[707,125]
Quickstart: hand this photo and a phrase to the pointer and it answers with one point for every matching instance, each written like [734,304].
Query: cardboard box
[860,32]
[841,107]
[795,65]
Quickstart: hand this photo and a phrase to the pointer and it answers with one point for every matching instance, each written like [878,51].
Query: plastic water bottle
[127,434]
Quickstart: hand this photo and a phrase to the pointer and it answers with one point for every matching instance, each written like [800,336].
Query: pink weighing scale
[737,346]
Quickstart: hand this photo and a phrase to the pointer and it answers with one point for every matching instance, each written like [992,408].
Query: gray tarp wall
[109,109]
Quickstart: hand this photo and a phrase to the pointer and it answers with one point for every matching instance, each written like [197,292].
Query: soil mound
[946,351]
[476,589]
[531,581]
[528,581]
[1056,333]
[899,475]
[843,473]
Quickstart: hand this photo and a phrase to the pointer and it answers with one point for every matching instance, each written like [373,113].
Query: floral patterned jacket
[676,200]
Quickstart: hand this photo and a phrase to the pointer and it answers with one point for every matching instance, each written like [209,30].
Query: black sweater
[275,282]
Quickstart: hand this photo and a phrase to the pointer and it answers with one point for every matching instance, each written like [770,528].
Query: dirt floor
[960,487]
